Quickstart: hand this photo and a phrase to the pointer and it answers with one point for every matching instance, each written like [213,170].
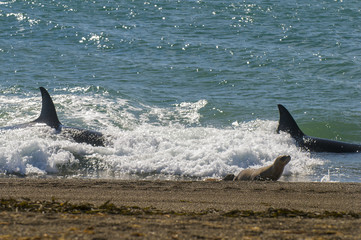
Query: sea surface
[181,89]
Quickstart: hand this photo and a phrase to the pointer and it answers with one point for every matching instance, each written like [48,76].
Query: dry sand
[115,209]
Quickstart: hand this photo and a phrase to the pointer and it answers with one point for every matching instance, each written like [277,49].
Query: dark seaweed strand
[26,205]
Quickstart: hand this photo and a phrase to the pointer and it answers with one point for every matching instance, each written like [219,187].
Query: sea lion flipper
[229,177]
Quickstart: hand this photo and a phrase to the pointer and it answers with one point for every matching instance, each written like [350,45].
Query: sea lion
[271,173]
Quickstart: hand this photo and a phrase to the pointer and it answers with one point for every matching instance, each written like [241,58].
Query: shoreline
[190,195]
[178,209]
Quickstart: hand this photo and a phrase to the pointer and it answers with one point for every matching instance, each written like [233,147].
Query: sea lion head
[283,160]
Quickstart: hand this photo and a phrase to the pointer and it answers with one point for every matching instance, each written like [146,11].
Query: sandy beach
[118,209]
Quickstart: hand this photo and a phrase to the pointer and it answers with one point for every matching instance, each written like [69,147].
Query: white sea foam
[187,112]
[154,150]
[204,152]
[161,142]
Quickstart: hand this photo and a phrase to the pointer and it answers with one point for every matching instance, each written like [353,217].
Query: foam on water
[144,142]
[205,151]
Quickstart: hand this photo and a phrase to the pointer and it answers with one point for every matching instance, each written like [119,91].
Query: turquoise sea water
[183,89]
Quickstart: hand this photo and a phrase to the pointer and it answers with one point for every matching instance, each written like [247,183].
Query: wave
[152,151]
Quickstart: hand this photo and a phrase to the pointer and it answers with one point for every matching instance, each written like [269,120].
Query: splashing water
[160,144]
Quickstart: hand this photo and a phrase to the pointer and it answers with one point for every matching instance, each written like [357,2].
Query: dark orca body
[313,144]
[49,117]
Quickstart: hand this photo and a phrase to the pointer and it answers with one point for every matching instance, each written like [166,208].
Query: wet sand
[178,209]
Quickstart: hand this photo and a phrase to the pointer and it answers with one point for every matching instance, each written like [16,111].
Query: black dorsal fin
[288,124]
[48,113]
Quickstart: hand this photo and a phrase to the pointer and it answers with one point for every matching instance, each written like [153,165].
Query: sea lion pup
[269,173]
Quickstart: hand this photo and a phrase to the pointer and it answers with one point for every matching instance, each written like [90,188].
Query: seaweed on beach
[53,206]
[26,205]
[290,213]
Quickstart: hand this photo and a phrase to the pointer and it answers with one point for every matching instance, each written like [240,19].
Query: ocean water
[181,89]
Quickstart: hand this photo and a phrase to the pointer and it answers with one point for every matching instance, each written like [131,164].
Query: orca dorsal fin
[48,113]
[288,124]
